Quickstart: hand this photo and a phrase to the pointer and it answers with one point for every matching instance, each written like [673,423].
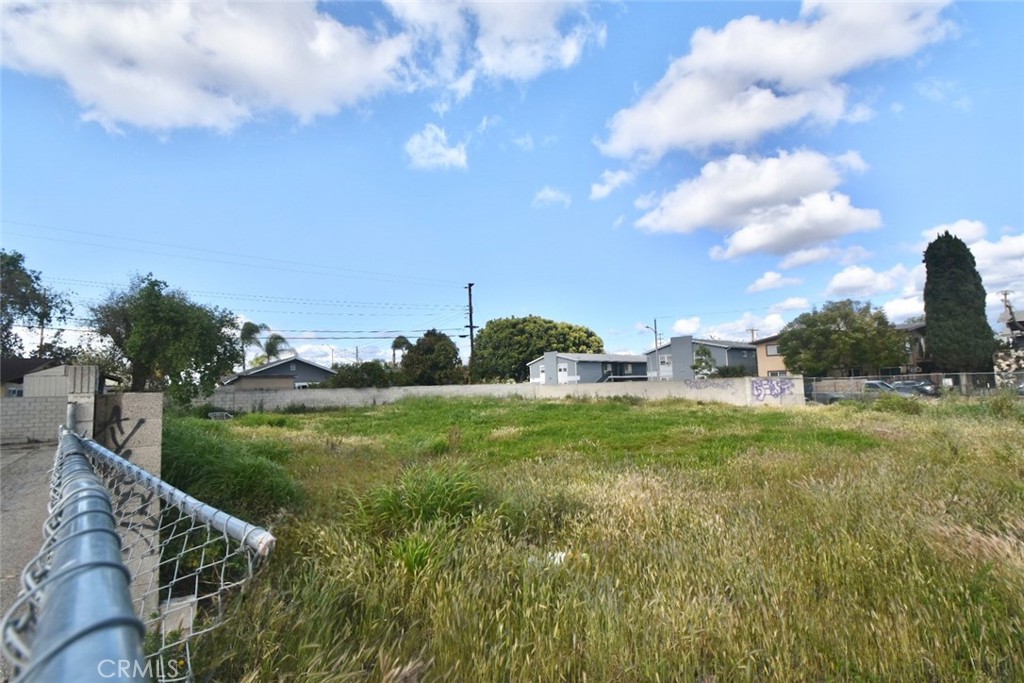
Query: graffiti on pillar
[118,431]
[763,388]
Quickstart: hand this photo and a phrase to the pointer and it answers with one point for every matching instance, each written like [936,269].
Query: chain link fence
[932,385]
[130,573]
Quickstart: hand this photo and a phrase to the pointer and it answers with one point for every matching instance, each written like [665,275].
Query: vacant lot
[491,540]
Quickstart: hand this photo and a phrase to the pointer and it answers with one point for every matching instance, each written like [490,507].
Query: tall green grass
[245,478]
[607,541]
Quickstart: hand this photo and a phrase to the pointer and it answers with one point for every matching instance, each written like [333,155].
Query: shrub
[895,403]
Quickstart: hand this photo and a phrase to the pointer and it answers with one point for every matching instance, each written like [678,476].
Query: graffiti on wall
[117,431]
[722,384]
[763,388]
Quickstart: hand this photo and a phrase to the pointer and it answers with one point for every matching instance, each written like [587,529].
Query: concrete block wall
[26,419]
[743,391]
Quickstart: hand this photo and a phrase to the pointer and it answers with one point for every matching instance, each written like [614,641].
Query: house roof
[910,327]
[267,366]
[596,358]
[15,369]
[765,340]
[717,343]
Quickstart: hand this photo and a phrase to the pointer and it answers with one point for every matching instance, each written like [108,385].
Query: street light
[657,361]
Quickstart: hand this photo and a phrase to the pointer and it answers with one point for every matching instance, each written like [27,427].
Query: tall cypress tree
[957,334]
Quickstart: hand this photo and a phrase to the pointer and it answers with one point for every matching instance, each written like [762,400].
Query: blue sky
[340,171]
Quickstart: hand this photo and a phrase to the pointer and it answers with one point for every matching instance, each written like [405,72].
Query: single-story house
[13,371]
[287,373]
[586,368]
[674,359]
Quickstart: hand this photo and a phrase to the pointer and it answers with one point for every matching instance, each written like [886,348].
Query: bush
[898,404]
[422,495]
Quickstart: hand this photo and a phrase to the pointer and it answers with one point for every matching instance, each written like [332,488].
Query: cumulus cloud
[775,205]
[967,230]
[804,257]
[861,281]
[465,41]
[213,64]
[219,64]
[429,149]
[756,76]
[548,195]
[899,310]
[772,280]
[793,303]
[610,181]
[685,326]
[740,330]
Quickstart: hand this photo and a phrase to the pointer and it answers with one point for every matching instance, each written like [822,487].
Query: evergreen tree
[957,334]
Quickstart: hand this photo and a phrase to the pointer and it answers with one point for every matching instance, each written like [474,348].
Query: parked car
[872,388]
[916,387]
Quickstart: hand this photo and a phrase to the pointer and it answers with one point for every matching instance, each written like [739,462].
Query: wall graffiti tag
[707,384]
[114,432]
[763,388]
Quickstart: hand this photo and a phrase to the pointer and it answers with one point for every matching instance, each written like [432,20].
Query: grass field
[617,540]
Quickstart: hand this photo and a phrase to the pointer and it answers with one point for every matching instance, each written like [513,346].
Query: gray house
[287,373]
[673,360]
[586,368]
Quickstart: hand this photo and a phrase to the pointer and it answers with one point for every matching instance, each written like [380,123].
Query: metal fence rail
[131,571]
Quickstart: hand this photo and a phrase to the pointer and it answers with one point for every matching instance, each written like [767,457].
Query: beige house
[770,363]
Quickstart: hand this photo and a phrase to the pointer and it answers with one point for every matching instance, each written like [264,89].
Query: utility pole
[657,360]
[752,331]
[471,327]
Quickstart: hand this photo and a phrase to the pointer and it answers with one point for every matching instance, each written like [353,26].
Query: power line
[330,270]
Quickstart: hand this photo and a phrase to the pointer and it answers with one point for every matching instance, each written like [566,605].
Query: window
[778,373]
[628,369]
[15,392]
[665,359]
[772,349]
[291,367]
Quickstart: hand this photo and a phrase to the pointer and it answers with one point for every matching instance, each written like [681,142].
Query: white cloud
[939,90]
[772,280]
[740,330]
[818,218]
[793,303]
[429,149]
[775,205]
[524,142]
[219,64]
[967,230]
[685,326]
[213,64]
[899,310]
[1001,264]
[803,257]
[755,76]
[465,41]
[548,195]
[861,281]
[610,181]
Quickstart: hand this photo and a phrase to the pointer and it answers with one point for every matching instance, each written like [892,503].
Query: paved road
[24,493]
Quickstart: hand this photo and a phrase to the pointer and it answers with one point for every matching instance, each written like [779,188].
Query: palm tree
[272,346]
[400,344]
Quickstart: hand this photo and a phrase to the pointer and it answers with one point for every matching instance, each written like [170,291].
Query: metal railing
[131,571]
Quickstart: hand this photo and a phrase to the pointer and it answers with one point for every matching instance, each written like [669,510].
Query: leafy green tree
[27,302]
[433,360]
[843,335]
[168,341]
[957,334]
[504,346]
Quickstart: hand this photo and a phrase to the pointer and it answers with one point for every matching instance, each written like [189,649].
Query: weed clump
[897,404]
